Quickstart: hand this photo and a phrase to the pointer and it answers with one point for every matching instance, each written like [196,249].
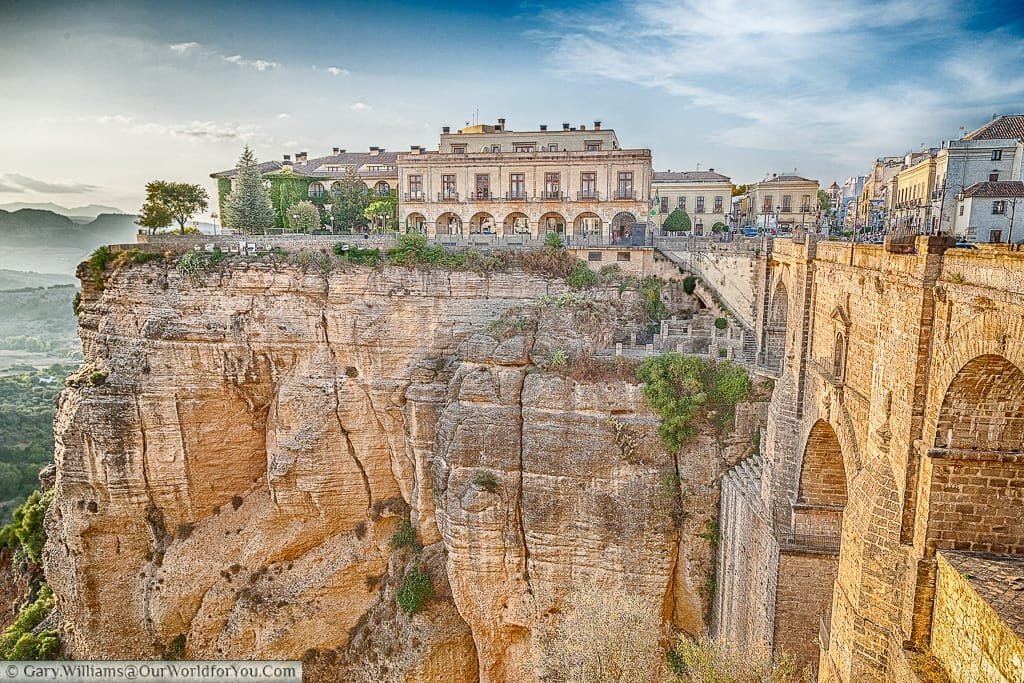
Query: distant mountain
[17,279]
[78,212]
[35,227]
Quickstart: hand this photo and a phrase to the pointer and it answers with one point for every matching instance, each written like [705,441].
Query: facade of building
[988,212]
[849,209]
[874,203]
[705,196]
[911,192]
[784,202]
[288,181]
[488,180]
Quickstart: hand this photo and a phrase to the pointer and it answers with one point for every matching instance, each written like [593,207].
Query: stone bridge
[894,450]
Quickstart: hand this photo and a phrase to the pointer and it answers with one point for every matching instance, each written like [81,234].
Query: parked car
[965,245]
[750,231]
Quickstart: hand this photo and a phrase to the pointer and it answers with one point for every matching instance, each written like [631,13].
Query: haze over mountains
[48,242]
[81,213]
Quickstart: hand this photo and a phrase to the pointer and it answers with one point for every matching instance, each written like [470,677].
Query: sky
[98,98]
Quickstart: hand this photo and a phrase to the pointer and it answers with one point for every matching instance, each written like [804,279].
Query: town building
[849,209]
[911,191]
[990,212]
[291,180]
[784,202]
[874,203]
[487,180]
[705,196]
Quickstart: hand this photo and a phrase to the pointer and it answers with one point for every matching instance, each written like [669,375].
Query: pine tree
[248,209]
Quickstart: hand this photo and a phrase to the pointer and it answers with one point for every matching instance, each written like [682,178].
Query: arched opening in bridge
[775,329]
[977,471]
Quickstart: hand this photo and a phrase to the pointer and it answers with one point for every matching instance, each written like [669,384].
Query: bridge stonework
[895,432]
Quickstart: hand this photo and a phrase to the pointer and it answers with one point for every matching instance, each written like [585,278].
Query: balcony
[479,197]
[516,196]
[551,196]
[448,196]
[415,197]
[625,195]
[588,196]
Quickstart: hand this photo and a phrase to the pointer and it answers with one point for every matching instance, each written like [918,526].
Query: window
[517,186]
[383,189]
[592,146]
[483,186]
[458,149]
[316,190]
[495,149]
[415,186]
[805,202]
[593,256]
[839,356]
[625,190]
[523,147]
[961,209]
[553,147]
[718,204]
[622,256]
[700,205]
[787,202]
[995,236]
[664,204]
[766,206]
[448,190]
[552,185]
[682,202]
[588,185]
[999,207]
[997,155]
[993,177]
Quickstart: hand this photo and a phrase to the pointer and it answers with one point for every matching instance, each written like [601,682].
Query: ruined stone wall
[729,270]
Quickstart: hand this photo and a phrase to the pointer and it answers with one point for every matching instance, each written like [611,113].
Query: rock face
[236,455]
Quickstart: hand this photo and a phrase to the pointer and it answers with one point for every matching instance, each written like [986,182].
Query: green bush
[416,591]
[719,227]
[76,302]
[721,323]
[97,264]
[677,221]
[25,533]
[405,537]
[581,277]
[193,264]
[689,284]
[486,480]
[96,378]
[19,643]
[554,241]
[680,387]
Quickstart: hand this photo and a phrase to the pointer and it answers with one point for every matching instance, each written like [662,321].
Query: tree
[303,217]
[349,201]
[720,661]
[719,227]
[168,201]
[740,189]
[285,192]
[383,212]
[677,221]
[604,636]
[248,209]
[824,200]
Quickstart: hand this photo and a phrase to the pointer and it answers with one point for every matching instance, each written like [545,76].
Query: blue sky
[99,98]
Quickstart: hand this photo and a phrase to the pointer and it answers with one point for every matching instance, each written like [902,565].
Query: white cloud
[16,182]
[361,106]
[192,130]
[283,115]
[182,48]
[258,64]
[337,71]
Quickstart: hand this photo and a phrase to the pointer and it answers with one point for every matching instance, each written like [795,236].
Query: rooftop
[357,161]
[998,579]
[1002,188]
[1010,127]
[690,177]
[788,179]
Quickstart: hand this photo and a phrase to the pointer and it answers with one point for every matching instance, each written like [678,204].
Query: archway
[416,223]
[481,223]
[382,189]
[621,227]
[587,225]
[979,441]
[775,328]
[516,223]
[551,222]
[449,223]
[336,187]
[316,190]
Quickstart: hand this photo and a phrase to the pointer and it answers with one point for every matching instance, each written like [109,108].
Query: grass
[405,537]
[485,479]
[416,591]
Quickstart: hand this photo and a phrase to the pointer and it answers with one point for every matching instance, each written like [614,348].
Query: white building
[991,212]
[704,195]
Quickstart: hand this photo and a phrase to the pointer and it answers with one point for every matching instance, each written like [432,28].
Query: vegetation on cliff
[719,661]
[682,388]
[24,640]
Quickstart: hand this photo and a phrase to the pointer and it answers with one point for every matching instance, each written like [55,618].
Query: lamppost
[214,216]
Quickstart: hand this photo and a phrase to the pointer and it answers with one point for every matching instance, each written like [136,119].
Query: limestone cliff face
[235,457]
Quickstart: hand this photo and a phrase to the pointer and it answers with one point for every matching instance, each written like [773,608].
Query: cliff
[241,446]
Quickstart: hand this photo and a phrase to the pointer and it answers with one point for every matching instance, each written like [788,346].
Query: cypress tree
[248,209]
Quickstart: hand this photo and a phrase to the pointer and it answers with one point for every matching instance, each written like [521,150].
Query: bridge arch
[775,327]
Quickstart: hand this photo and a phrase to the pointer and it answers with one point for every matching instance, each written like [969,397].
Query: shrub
[721,323]
[559,360]
[97,264]
[680,387]
[96,378]
[25,533]
[416,591]
[193,264]
[19,643]
[677,221]
[554,241]
[689,284]
[580,276]
[719,227]
[721,661]
[76,303]
[405,537]
[485,480]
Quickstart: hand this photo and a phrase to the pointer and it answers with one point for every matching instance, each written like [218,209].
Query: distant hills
[16,279]
[36,227]
[79,213]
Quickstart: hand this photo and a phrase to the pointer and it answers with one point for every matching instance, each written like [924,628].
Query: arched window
[336,186]
[839,356]
[383,189]
[316,190]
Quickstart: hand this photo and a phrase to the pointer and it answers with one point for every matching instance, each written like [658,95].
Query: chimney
[597,125]
[300,157]
[565,126]
[416,149]
[582,127]
[711,170]
[334,151]
[374,151]
[341,151]
[501,122]
[288,159]
[446,129]
[774,175]
[543,126]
